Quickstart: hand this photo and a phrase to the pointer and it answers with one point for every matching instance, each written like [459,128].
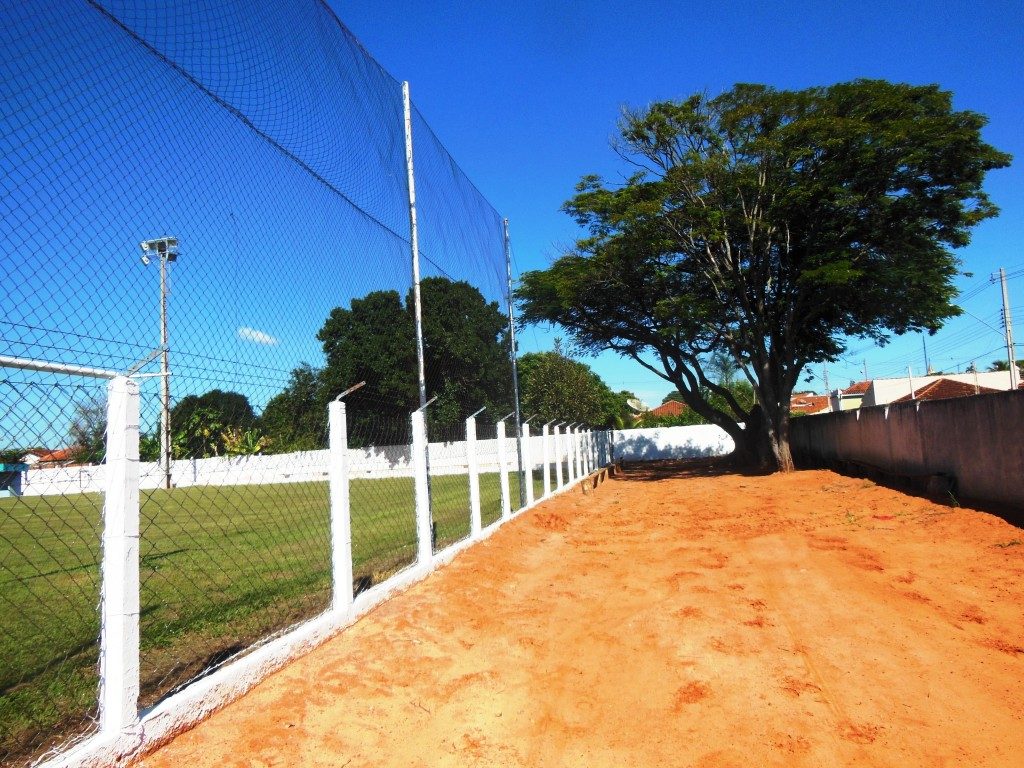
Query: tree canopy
[769,226]
[198,422]
[554,387]
[373,340]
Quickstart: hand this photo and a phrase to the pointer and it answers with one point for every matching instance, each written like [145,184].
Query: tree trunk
[763,446]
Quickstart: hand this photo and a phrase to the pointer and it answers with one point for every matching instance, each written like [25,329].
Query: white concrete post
[475,522]
[558,457]
[579,446]
[341,519]
[571,451]
[545,451]
[586,453]
[119,608]
[424,539]
[527,468]
[506,505]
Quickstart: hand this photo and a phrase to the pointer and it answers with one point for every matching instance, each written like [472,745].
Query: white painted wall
[301,467]
[671,443]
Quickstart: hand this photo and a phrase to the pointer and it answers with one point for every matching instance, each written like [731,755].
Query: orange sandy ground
[681,619]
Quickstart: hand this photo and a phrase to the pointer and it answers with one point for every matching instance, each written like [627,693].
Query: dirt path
[802,620]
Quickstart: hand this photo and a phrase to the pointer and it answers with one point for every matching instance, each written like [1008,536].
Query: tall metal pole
[414,242]
[515,368]
[1011,358]
[165,379]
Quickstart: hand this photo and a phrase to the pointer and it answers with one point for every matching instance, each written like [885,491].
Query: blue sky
[103,143]
[525,96]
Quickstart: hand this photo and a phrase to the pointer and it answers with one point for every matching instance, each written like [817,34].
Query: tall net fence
[216,197]
[490,476]
[381,497]
[448,464]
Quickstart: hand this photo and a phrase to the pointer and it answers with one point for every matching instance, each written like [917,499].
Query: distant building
[10,479]
[851,398]
[945,389]
[42,458]
[884,391]
[808,402]
[668,408]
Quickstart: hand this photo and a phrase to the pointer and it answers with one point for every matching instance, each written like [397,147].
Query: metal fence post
[558,457]
[341,520]
[119,609]
[527,468]
[424,539]
[545,452]
[475,523]
[506,505]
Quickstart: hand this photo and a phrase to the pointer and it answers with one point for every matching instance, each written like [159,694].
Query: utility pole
[866,369]
[513,354]
[1011,357]
[828,392]
[927,365]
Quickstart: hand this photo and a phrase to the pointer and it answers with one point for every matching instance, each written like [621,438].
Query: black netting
[218,192]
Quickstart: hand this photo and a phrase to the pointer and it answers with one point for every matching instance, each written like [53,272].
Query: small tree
[554,387]
[88,430]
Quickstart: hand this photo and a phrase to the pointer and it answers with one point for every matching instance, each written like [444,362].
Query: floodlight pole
[165,249]
[165,379]
[513,354]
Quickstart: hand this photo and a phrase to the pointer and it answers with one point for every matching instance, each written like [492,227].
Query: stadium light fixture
[166,250]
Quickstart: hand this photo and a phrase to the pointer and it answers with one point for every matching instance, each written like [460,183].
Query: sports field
[675,617]
[221,567]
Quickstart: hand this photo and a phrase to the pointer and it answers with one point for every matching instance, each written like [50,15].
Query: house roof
[858,388]
[668,408]
[808,403]
[61,454]
[945,389]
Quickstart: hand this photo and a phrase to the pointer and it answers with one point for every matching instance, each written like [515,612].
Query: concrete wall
[977,440]
[671,443]
[300,467]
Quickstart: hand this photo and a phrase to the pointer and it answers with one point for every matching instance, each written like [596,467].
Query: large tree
[373,340]
[770,226]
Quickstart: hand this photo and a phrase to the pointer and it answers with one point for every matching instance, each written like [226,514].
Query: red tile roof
[61,454]
[944,389]
[860,388]
[808,403]
[668,408]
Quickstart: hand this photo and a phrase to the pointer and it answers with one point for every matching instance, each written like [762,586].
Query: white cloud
[257,337]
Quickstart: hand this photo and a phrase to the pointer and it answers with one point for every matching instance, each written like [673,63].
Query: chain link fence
[216,202]
[49,569]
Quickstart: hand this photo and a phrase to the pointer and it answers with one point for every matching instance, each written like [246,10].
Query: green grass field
[221,567]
